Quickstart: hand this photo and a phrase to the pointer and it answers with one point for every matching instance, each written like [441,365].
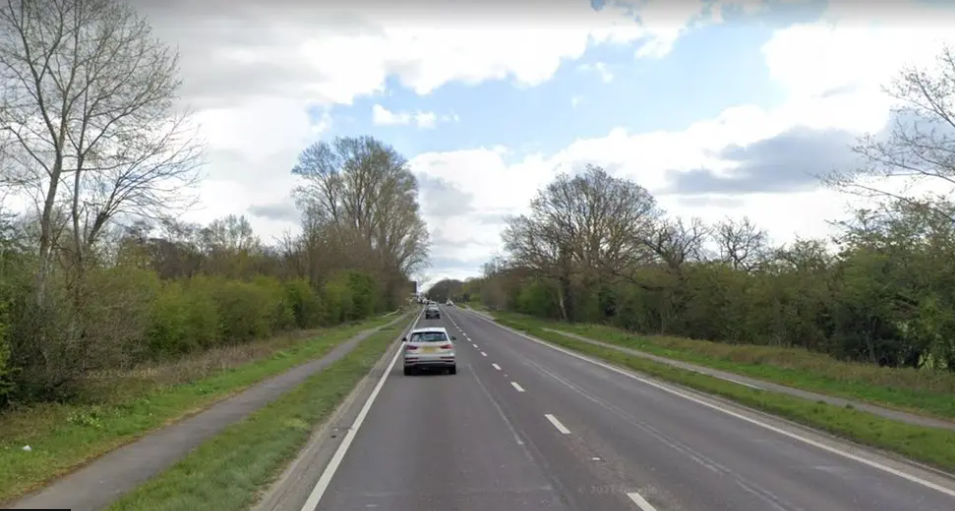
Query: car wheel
[453,370]
[408,371]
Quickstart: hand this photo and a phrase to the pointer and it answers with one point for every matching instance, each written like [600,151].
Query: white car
[429,348]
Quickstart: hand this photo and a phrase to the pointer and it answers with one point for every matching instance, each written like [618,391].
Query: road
[526,426]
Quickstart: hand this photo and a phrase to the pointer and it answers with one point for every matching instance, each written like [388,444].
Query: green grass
[229,471]
[63,437]
[932,446]
[923,392]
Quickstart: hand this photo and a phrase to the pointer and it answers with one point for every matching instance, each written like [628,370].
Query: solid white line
[326,478]
[770,427]
[560,427]
[641,502]
[741,383]
[483,354]
[517,387]
[495,366]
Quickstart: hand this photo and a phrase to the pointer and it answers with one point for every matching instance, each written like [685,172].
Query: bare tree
[676,242]
[741,244]
[592,223]
[360,199]
[232,234]
[919,145]
[88,105]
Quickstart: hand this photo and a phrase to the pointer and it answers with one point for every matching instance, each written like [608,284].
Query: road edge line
[318,491]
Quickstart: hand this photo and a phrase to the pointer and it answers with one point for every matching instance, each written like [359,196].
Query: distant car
[432,312]
[429,348]
[449,303]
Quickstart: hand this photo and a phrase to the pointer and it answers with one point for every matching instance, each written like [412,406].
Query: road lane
[676,453]
[441,442]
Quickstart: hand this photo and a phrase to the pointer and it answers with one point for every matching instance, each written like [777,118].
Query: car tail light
[410,347]
[447,346]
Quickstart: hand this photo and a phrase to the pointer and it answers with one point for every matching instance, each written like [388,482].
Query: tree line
[596,248]
[97,163]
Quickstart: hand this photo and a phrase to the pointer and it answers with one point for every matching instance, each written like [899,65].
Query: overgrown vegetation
[98,272]
[595,248]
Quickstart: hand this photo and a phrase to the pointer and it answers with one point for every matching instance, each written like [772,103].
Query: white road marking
[641,502]
[742,383]
[517,387]
[770,427]
[560,427]
[326,478]
[483,354]
[495,366]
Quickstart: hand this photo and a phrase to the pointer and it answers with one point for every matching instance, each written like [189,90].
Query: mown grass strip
[927,393]
[228,472]
[935,447]
[83,432]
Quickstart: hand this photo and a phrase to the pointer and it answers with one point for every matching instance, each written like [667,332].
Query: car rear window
[429,337]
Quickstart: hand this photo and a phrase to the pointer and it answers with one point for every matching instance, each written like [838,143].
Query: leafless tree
[676,242]
[592,223]
[232,234]
[360,198]
[741,244]
[88,105]
[919,144]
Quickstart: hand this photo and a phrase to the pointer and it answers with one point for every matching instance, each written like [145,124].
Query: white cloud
[600,69]
[255,69]
[335,54]
[381,116]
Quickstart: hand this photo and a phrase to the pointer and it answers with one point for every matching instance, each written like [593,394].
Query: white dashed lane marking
[641,502]
[557,424]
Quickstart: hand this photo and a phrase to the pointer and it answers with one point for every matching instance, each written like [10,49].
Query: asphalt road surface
[526,426]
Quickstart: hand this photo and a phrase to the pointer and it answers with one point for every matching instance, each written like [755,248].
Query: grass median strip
[227,472]
[64,436]
[932,446]
[922,392]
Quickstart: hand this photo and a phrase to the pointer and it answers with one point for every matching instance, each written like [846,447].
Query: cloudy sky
[718,108]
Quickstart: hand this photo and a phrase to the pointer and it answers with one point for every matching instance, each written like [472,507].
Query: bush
[305,304]
[116,317]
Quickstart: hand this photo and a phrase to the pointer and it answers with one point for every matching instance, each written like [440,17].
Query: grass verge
[932,446]
[63,437]
[227,472]
[922,392]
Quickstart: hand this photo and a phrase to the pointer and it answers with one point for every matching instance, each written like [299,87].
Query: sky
[719,108]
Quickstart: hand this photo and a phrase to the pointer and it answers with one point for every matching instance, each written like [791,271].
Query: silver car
[429,348]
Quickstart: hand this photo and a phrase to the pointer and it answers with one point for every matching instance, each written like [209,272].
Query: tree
[445,289]
[919,144]
[591,225]
[361,200]
[741,243]
[88,114]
